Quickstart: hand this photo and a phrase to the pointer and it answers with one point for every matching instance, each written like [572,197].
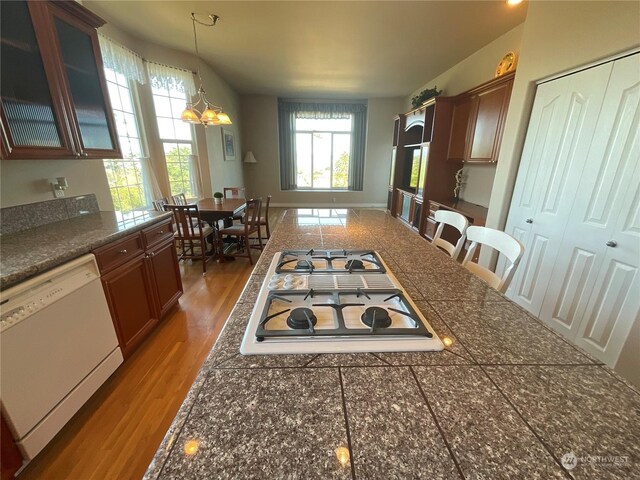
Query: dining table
[212,212]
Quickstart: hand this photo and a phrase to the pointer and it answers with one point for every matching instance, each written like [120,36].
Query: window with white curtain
[128,178]
[177,140]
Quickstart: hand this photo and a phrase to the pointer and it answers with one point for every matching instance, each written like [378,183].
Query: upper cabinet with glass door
[53,92]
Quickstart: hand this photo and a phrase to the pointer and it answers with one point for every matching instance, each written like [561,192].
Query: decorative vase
[217,201]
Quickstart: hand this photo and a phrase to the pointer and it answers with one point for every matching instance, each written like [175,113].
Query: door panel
[562,125]
[605,210]
[573,285]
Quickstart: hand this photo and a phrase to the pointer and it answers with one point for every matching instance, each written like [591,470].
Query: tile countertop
[33,251]
[508,399]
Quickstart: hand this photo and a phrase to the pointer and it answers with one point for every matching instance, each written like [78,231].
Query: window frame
[332,133]
[143,184]
[164,140]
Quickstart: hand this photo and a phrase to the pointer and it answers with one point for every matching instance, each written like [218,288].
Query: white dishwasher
[57,346]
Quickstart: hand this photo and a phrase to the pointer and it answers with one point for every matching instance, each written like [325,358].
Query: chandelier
[203,111]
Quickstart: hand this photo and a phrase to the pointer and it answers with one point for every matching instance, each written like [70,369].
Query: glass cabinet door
[86,86]
[31,118]
[393,167]
[424,159]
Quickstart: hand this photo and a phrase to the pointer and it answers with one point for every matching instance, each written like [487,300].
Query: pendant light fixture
[211,114]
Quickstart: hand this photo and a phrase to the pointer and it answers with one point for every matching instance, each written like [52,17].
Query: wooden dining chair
[457,221]
[234,192]
[243,231]
[191,234]
[179,199]
[264,221]
[158,205]
[505,244]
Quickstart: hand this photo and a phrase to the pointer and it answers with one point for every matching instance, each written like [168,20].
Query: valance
[171,78]
[122,60]
[322,111]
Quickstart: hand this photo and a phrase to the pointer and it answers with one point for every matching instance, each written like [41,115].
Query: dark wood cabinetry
[478,121]
[54,102]
[422,171]
[141,280]
[476,214]
[10,456]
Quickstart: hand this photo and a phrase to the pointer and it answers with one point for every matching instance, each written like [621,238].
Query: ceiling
[319,48]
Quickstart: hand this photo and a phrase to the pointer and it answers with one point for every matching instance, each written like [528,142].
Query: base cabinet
[10,456]
[141,280]
[131,301]
[165,272]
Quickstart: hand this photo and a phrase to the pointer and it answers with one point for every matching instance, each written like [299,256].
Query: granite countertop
[508,398]
[30,252]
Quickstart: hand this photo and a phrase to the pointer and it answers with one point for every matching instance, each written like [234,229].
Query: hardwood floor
[116,434]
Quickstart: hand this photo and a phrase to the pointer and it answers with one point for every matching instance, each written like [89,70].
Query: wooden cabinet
[131,301]
[10,456]
[476,214]
[478,121]
[141,280]
[53,94]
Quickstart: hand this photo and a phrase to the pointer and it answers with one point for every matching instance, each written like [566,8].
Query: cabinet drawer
[157,233]
[117,253]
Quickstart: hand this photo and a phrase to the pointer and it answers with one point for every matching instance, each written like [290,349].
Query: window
[126,176]
[323,148]
[322,145]
[177,141]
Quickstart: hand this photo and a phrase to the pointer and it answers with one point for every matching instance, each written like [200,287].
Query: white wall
[469,73]
[260,136]
[27,181]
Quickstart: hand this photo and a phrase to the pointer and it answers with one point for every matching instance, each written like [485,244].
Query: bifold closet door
[562,124]
[593,295]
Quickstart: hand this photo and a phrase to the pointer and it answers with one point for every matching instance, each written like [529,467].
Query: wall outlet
[334,199]
[58,193]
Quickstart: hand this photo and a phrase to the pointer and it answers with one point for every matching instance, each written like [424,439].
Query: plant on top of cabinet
[53,101]
[425,95]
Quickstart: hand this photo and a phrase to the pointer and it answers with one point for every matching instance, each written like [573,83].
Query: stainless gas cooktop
[334,301]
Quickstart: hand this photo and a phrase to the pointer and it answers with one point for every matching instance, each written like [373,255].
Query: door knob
[612,243]
[529,220]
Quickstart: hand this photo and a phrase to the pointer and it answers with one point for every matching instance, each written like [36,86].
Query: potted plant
[218,197]
[425,95]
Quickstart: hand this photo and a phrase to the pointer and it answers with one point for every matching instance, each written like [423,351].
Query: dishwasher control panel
[28,298]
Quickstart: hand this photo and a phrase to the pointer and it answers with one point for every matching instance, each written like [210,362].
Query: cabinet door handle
[85,154]
[161,232]
[611,243]
[152,254]
[123,252]
[77,154]
[529,220]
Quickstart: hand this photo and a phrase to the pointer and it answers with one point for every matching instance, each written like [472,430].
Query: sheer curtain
[171,78]
[288,111]
[122,60]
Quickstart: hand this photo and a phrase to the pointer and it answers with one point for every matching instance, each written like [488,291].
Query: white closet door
[594,291]
[562,124]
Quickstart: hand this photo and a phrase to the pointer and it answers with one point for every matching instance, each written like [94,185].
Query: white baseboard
[329,205]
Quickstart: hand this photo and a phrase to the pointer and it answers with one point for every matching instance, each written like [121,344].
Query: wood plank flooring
[117,432]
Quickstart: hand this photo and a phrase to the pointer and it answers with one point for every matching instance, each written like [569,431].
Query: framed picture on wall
[228,145]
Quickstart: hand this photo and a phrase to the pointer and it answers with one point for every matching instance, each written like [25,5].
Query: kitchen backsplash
[31,215]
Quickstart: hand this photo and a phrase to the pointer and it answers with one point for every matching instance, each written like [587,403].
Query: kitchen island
[507,398]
